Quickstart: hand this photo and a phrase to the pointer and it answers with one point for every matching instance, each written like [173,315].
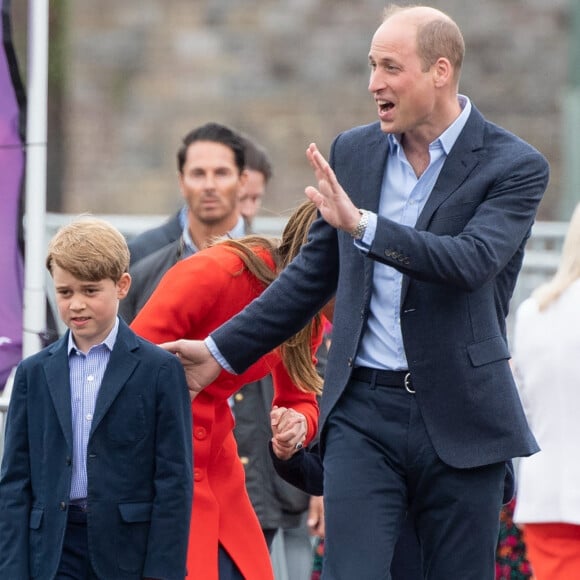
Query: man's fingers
[171,346]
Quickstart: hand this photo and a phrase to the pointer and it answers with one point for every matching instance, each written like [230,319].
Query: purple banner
[11,178]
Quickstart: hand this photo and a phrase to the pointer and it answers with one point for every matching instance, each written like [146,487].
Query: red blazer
[193,298]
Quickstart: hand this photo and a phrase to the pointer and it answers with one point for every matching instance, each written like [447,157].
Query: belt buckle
[407,383]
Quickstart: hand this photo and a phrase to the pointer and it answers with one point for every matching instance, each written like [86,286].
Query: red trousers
[553,550]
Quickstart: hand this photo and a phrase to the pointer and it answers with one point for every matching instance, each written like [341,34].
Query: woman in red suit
[194,297]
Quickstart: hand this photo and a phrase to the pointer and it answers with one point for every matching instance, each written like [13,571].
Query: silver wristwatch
[361,227]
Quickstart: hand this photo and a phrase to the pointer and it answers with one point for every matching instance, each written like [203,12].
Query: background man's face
[211,182]
[251,194]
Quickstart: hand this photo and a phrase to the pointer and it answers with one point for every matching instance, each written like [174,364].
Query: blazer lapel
[373,169]
[462,159]
[57,374]
[121,366]
[459,164]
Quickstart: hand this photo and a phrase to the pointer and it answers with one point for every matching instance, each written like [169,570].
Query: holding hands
[289,430]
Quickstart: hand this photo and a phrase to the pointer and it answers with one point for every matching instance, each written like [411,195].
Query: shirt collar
[447,139]
[236,232]
[183,216]
[109,342]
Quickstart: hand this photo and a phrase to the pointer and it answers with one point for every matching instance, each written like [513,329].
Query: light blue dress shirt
[86,375]
[403,196]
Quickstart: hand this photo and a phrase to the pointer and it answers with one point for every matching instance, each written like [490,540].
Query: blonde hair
[437,36]
[568,269]
[296,352]
[90,249]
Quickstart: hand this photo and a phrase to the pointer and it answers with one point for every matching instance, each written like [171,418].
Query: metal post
[570,195]
[35,205]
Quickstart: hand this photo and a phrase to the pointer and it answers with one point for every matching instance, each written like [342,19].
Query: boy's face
[89,309]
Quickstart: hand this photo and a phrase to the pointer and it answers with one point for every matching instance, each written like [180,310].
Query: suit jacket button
[62,506]
[68,460]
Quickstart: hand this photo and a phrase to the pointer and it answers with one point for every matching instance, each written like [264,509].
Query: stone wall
[141,73]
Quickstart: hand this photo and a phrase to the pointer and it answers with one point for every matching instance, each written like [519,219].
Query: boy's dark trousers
[74,561]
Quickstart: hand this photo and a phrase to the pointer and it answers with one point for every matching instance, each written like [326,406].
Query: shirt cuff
[365,243]
[214,350]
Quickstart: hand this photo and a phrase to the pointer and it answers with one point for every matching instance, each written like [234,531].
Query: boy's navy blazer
[460,265]
[139,465]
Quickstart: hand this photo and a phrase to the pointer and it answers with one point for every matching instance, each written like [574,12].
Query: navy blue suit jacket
[460,263]
[154,239]
[139,465]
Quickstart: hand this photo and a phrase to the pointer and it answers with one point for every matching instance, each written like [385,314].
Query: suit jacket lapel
[57,374]
[460,162]
[462,159]
[373,170]
[121,366]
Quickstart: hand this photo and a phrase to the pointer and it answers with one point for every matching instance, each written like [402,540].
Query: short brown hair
[90,249]
[437,36]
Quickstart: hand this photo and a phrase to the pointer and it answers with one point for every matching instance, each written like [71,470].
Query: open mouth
[385,106]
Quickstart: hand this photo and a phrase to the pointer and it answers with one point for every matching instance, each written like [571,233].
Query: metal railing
[540,261]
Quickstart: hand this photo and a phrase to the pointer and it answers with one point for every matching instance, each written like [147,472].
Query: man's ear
[442,72]
[180,178]
[243,179]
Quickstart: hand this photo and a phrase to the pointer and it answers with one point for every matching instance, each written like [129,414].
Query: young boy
[96,477]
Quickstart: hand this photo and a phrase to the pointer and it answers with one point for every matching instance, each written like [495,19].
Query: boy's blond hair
[90,249]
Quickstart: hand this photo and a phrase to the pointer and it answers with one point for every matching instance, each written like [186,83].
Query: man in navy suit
[424,219]
[97,474]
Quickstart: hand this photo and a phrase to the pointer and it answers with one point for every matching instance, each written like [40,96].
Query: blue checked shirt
[86,375]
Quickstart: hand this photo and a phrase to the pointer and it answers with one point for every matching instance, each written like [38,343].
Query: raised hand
[330,198]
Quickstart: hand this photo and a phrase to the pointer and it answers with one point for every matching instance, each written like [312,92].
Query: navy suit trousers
[379,465]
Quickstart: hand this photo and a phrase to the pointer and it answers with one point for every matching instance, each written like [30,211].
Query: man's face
[210,183]
[251,194]
[404,93]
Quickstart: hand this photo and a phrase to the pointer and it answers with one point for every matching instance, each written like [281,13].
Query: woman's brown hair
[296,352]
